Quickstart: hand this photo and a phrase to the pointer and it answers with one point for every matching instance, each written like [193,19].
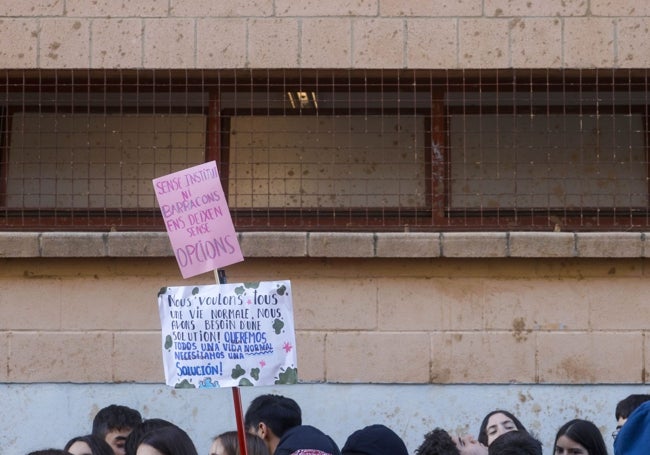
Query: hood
[634,437]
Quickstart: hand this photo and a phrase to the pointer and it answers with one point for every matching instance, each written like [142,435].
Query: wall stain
[519,329]
[576,370]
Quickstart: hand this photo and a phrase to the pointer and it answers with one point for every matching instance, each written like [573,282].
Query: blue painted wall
[36,416]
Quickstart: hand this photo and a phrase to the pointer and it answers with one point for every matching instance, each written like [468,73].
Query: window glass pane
[553,160]
[63,160]
[341,161]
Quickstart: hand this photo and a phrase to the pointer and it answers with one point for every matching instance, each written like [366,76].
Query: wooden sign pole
[220,275]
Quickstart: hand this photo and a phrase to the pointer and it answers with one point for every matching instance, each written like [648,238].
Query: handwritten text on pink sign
[197,219]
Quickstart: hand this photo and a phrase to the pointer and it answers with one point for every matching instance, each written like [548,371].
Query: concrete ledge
[474,244]
[611,245]
[340,244]
[73,244]
[273,244]
[542,245]
[139,244]
[411,245]
[19,245]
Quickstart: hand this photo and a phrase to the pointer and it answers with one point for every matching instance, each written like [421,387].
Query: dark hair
[230,441]
[376,439]
[49,452]
[279,413]
[147,425]
[437,442]
[482,432]
[515,443]
[169,440]
[628,404]
[584,433]
[114,417]
[97,446]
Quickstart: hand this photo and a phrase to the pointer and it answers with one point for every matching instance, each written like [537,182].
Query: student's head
[305,439]
[113,424]
[437,442]
[49,452]
[495,424]
[515,443]
[168,440]
[228,444]
[578,435]
[140,430]
[625,407]
[272,412]
[374,440]
[88,445]
[634,437]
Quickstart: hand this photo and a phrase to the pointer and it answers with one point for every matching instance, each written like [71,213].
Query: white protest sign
[193,205]
[228,335]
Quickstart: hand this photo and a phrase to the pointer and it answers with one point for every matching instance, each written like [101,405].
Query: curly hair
[437,442]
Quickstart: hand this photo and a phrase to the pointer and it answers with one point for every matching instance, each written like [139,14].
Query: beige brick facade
[406,318]
[436,302]
[450,308]
[356,34]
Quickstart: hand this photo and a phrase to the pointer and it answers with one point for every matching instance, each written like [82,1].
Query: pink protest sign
[197,219]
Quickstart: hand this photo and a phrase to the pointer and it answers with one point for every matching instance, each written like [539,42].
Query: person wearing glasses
[625,407]
[634,437]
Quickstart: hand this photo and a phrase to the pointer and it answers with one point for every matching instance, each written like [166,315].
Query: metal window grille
[329,149]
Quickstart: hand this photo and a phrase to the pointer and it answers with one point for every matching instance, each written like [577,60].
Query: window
[323,150]
[80,150]
[72,160]
[538,150]
[332,154]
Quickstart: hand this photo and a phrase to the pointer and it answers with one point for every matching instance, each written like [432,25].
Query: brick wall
[523,307]
[333,34]
[385,312]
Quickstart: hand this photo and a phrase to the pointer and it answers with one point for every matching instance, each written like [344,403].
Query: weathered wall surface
[452,319]
[516,313]
[338,409]
[333,34]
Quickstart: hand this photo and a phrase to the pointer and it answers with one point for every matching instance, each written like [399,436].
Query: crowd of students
[274,427]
